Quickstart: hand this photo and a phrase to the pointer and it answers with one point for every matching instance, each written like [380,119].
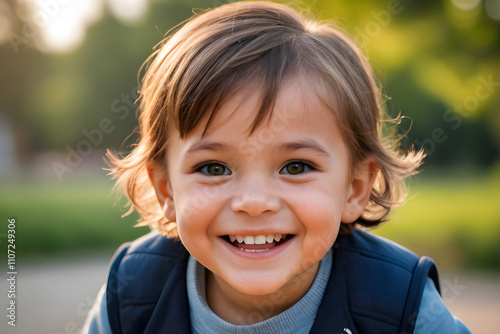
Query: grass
[70,216]
[454,218]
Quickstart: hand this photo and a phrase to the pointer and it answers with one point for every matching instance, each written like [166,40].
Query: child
[258,160]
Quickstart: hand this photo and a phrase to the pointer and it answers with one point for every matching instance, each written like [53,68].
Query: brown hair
[217,52]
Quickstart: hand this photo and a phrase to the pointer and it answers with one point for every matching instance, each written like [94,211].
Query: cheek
[319,213]
[192,200]
[319,204]
[196,209]
[193,221]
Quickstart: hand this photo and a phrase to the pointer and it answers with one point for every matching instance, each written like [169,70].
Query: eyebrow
[207,146]
[306,143]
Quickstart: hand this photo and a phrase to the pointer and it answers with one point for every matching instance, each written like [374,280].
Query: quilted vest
[375,286]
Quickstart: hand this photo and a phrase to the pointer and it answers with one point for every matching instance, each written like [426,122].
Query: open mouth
[257,243]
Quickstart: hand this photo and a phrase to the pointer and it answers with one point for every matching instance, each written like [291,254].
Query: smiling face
[260,210]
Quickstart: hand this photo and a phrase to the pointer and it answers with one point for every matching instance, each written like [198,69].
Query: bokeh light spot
[492,8]
[466,4]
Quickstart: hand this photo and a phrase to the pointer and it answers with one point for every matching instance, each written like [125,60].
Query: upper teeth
[257,239]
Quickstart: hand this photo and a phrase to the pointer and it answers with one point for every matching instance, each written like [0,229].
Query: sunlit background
[68,82]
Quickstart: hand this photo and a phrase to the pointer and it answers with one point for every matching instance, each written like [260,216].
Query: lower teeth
[254,250]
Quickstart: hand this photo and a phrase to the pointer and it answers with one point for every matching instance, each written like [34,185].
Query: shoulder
[146,264]
[144,255]
[152,247]
[378,276]
[375,248]
[141,274]
[154,243]
[434,317]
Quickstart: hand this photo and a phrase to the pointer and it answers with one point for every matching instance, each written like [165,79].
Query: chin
[261,286]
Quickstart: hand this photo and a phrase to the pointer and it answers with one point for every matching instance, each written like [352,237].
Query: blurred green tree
[436,60]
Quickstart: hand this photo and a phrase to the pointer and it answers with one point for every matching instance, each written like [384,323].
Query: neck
[242,309]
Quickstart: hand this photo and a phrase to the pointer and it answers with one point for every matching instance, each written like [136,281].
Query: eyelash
[203,167]
[309,166]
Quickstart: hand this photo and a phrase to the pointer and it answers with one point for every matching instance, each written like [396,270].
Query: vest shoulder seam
[384,258]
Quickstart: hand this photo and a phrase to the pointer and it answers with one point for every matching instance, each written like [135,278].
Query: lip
[258,255]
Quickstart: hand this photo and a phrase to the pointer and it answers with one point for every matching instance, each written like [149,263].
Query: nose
[255,197]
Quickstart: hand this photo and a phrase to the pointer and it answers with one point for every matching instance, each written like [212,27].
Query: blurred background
[68,82]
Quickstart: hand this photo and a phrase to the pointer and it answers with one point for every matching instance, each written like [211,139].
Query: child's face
[290,178]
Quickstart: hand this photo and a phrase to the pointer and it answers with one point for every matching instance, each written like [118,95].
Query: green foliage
[454,218]
[429,56]
[433,60]
[71,216]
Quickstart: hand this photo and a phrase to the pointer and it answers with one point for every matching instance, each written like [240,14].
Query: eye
[295,168]
[214,169]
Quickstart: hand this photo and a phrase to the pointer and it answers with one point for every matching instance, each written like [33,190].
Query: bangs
[233,72]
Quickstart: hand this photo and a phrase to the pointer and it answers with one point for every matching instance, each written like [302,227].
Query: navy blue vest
[375,287]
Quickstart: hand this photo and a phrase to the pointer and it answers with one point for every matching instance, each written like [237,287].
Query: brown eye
[295,168]
[215,169]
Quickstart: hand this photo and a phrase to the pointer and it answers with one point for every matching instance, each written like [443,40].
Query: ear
[360,189]
[163,190]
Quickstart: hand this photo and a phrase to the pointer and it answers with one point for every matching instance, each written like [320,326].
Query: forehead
[299,122]
[297,114]
[299,97]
